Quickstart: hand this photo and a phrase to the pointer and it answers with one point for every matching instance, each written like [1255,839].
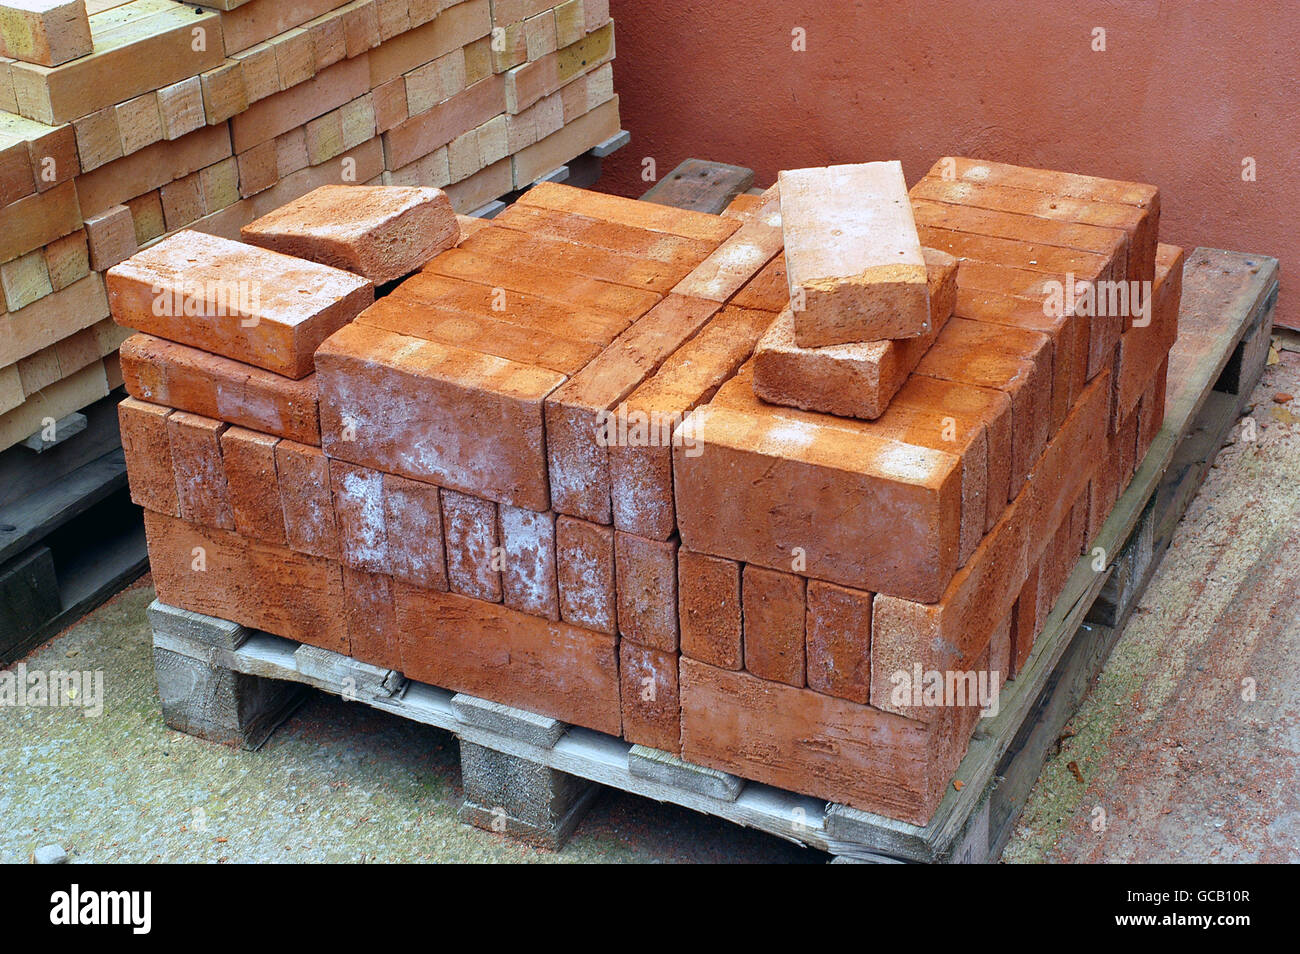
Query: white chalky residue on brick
[904,462]
[528,576]
[792,435]
[370,545]
[976,172]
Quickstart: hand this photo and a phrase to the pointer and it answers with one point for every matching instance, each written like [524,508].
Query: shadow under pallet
[531,777]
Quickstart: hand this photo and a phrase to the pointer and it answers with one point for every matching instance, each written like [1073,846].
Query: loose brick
[769,290]
[249,459]
[111,237]
[652,712]
[584,557]
[498,653]
[258,585]
[849,380]
[641,449]
[371,618]
[306,499]
[646,578]
[200,476]
[528,572]
[577,413]
[413,524]
[710,610]
[852,254]
[444,415]
[773,607]
[739,258]
[147,447]
[253,305]
[358,495]
[774,493]
[46,32]
[189,379]
[471,541]
[582,230]
[839,641]
[378,232]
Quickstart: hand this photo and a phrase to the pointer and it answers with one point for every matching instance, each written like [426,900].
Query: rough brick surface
[250,304]
[498,653]
[371,618]
[584,557]
[249,459]
[378,232]
[470,534]
[528,572]
[147,447]
[358,495]
[651,708]
[773,605]
[200,474]
[305,498]
[853,255]
[646,588]
[189,379]
[445,415]
[413,527]
[710,612]
[839,641]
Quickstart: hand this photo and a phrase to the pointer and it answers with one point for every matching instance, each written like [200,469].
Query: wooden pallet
[531,776]
[69,535]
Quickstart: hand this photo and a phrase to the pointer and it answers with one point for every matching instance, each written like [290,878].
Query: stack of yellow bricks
[123,122]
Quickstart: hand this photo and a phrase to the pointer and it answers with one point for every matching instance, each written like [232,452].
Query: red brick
[249,459]
[1015,361]
[620,268]
[378,232]
[497,653]
[146,445]
[866,512]
[581,230]
[800,740]
[258,585]
[473,559]
[358,495]
[1143,348]
[577,411]
[839,641]
[709,609]
[1060,196]
[201,487]
[413,521]
[646,578]
[528,573]
[949,632]
[652,711]
[769,290]
[305,498]
[584,557]
[1025,621]
[850,380]
[740,257]
[773,605]
[852,253]
[1151,412]
[444,415]
[407,314]
[276,310]
[631,212]
[641,461]
[371,618]
[189,379]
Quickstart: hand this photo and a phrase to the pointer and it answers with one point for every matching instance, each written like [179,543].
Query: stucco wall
[1181,95]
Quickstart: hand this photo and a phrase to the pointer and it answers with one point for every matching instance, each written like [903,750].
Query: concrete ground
[1176,757]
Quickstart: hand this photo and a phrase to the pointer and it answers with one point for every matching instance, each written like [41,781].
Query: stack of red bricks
[537,470]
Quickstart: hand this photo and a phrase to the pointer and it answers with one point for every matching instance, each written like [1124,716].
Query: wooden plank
[701,186]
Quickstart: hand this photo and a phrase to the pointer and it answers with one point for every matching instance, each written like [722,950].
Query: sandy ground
[1180,761]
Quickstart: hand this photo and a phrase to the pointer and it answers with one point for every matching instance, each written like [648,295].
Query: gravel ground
[1178,763]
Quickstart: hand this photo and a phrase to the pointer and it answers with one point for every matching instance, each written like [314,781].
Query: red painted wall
[1183,92]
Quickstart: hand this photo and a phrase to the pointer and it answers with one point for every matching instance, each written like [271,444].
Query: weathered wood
[29,595]
[701,186]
